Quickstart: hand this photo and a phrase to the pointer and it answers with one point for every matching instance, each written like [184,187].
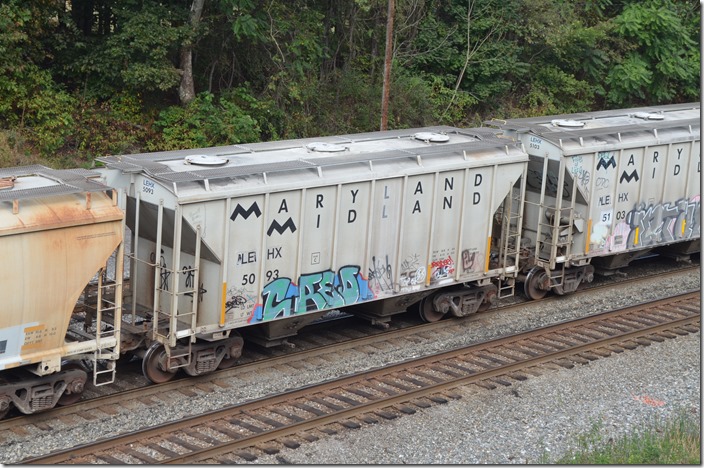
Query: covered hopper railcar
[58,229]
[274,235]
[268,237]
[604,188]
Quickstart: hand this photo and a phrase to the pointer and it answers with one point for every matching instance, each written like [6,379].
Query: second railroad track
[239,432]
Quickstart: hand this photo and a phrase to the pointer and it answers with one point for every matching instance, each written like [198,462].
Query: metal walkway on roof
[68,181]
[152,163]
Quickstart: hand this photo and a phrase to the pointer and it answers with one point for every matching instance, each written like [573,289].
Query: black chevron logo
[275,226]
[605,164]
[246,213]
[629,177]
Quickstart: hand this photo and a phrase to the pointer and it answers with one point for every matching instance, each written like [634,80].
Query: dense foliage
[83,78]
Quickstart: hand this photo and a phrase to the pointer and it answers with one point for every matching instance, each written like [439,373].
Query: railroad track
[238,433]
[316,341]
[340,343]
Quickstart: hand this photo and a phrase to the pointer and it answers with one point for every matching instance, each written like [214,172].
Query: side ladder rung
[174,361]
[507,288]
[105,376]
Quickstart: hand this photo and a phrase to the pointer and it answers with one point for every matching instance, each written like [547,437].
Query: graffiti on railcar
[472,260]
[442,269]
[240,299]
[581,174]
[381,275]
[164,273]
[189,274]
[653,224]
[314,292]
[412,272]
[664,223]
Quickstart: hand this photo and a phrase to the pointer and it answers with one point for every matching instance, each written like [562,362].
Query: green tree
[139,56]
[660,62]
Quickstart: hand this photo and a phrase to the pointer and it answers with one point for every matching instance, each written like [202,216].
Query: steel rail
[174,385]
[380,403]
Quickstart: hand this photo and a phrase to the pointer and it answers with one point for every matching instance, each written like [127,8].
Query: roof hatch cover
[431,137]
[323,147]
[205,160]
[568,123]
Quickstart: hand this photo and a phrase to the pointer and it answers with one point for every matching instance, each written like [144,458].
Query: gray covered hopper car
[604,188]
[274,235]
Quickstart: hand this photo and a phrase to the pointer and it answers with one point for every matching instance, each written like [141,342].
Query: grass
[676,442]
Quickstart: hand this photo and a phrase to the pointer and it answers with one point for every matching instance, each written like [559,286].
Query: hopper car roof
[174,172]
[574,131]
[31,182]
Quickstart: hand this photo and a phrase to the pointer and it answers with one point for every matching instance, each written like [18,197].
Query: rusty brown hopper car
[57,231]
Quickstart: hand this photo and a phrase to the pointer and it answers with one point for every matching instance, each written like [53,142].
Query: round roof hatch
[649,116]
[432,137]
[323,147]
[568,123]
[205,160]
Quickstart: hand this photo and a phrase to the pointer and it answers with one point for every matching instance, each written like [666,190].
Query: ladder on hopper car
[511,218]
[102,303]
[554,227]
[170,324]
[107,335]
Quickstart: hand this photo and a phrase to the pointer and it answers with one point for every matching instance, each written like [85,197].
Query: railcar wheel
[154,364]
[5,406]
[537,284]
[227,362]
[428,312]
[74,389]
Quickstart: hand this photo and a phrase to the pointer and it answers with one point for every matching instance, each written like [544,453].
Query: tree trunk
[186,90]
[387,67]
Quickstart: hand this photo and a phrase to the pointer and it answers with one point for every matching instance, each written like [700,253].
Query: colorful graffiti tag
[664,223]
[654,224]
[314,292]
[412,272]
[441,269]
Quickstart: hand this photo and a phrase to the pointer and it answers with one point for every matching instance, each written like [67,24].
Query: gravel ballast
[531,421]
[534,421]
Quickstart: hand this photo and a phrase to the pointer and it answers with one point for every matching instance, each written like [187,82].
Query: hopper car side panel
[293,243]
[280,268]
[425,231]
[52,246]
[641,197]
[56,265]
